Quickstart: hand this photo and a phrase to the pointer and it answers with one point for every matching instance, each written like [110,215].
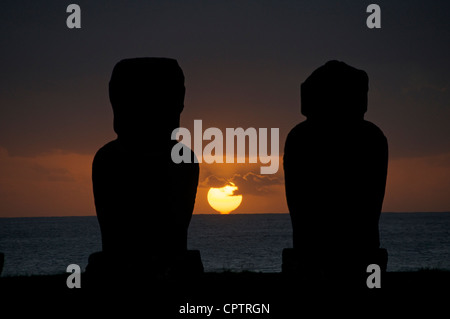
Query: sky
[243,62]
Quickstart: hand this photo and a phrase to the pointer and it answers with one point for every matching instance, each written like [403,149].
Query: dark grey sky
[243,60]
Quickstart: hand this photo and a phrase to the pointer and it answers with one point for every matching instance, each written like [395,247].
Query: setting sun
[223,200]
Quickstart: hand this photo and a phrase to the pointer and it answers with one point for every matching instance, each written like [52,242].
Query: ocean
[253,242]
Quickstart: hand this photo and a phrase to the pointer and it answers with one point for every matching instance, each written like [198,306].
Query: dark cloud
[255,184]
[214,181]
[250,183]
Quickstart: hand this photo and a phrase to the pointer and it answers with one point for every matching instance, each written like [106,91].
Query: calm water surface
[35,246]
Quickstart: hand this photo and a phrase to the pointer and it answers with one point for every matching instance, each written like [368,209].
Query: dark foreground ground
[228,294]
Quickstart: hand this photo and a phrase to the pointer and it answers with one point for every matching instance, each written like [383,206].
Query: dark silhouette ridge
[335,166]
[144,201]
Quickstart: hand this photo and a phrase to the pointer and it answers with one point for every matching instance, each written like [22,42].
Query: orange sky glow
[59,184]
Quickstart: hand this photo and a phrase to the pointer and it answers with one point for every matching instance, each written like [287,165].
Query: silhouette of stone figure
[335,166]
[144,201]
